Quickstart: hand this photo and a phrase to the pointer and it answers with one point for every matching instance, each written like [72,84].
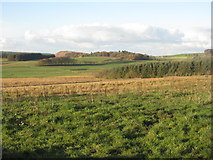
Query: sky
[154,28]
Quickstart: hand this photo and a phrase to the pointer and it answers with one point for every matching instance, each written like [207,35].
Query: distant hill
[122,55]
[71,54]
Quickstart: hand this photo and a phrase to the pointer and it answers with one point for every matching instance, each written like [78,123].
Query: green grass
[185,55]
[155,125]
[4,62]
[27,69]
[182,57]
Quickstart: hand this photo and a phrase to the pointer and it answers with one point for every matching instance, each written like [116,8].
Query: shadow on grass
[96,64]
[57,154]
[37,154]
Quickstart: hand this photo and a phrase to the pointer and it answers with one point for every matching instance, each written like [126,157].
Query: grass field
[146,118]
[183,57]
[65,112]
[28,69]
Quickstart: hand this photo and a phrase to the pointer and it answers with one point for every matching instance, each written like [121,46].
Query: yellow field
[17,82]
[3,59]
[34,87]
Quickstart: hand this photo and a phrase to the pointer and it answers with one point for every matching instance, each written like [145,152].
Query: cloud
[96,33]
[35,37]
[2,42]
[133,37]
[28,35]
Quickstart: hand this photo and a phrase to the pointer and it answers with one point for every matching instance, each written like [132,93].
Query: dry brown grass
[18,82]
[166,85]
[3,59]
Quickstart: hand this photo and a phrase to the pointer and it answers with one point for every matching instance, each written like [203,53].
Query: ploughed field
[83,116]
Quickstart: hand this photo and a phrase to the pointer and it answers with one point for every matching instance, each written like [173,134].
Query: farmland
[67,112]
[28,69]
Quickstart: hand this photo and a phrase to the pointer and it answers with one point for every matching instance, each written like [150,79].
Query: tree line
[160,69]
[125,55]
[25,56]
[122,55]
[57,61]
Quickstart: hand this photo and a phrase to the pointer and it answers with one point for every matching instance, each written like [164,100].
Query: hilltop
[122,55]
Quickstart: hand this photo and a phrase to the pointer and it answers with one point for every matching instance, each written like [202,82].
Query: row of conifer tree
[160,69]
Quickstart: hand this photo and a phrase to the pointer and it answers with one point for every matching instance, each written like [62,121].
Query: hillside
[87,66]
[185,56]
